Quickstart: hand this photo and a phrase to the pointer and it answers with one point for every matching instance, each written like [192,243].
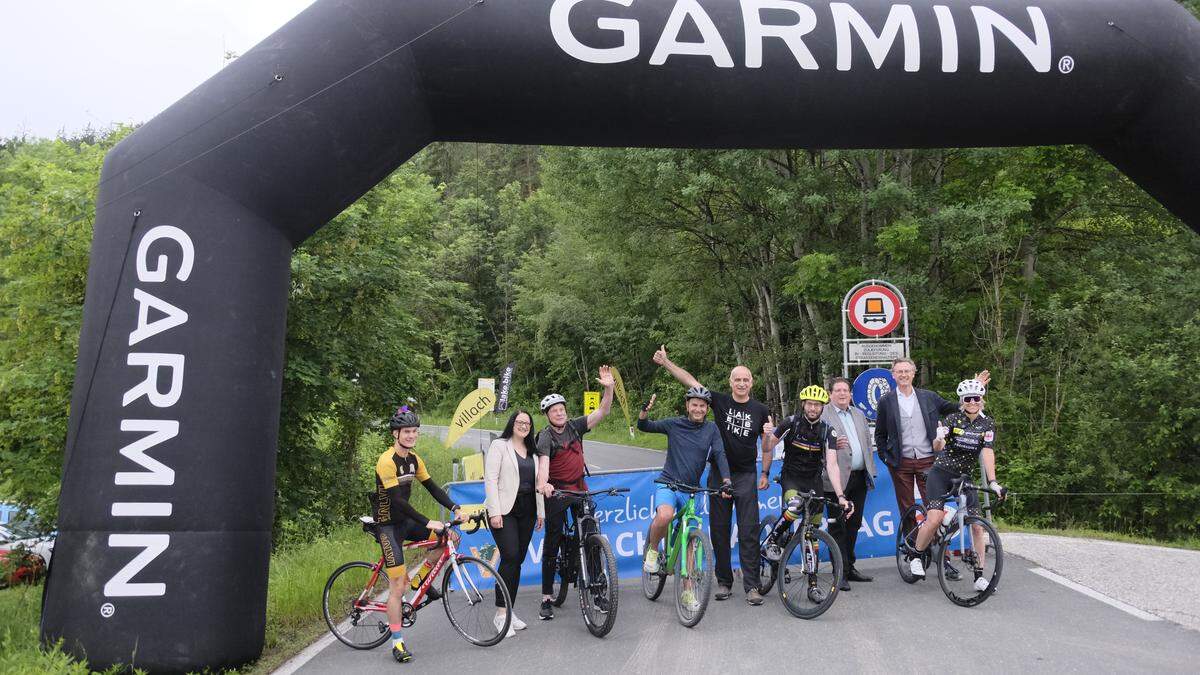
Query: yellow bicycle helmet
[815,392]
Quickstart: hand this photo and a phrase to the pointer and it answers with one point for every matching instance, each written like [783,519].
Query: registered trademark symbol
[107,610]
[1066,64]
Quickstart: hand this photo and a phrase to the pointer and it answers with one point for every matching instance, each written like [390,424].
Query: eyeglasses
[521,424]
[972,399]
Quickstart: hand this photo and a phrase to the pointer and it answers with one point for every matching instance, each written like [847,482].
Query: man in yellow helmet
[811,446]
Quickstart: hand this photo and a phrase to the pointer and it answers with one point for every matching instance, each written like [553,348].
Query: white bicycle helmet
[971,387]
[552,399]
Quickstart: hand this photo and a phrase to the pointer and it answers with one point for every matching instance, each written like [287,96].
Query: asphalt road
[1033,624]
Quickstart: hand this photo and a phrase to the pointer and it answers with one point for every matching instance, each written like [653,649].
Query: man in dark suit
[905,427]
[856,464]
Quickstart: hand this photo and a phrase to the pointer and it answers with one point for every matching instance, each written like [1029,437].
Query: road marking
[1128,609]
[297,662]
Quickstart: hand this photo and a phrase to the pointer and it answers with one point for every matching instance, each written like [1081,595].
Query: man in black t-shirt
[743,421]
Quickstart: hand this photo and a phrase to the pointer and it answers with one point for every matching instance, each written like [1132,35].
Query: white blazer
[501,479]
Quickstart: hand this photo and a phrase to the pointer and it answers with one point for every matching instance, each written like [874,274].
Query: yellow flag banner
[622,398]
[470,410]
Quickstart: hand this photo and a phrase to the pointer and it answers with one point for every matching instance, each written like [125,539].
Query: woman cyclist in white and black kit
[961,439]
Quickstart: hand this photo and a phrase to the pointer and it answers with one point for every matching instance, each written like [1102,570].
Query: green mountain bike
[687,553]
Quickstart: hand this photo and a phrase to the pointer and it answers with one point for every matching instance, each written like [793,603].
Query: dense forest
[1044,265]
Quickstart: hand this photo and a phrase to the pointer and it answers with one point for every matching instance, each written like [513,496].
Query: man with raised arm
[742,421]
[561,466]
[691,442]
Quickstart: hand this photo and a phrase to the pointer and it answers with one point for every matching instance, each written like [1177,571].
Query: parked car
[19,539]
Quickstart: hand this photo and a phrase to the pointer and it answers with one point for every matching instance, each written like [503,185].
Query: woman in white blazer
[514,507]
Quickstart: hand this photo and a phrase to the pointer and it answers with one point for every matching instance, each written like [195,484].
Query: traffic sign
[591,402]
[869,387]
[874,310]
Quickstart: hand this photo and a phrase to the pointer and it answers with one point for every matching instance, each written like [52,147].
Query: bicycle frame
[678,531]
[449,555]
[581,528]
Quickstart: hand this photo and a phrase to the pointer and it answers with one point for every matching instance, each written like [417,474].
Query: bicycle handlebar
[965,484]
[581,495]
[693,489]
[479,520]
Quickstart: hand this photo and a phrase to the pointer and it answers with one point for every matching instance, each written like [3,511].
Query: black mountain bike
[804,559]
[980,550]
[592,567]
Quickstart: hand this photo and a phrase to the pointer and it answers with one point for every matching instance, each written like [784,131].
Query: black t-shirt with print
[741,426]
[966,440]
[804,446]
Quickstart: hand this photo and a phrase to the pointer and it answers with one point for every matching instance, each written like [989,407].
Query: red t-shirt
[565,451]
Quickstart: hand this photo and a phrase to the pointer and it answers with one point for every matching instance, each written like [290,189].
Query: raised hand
[660,356]
[984,376]
[606,378]
[648,406]
[769,429]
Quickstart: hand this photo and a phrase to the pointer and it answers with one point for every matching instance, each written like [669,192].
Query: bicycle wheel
[971,589]
[565,570]
[598,597]
[809,573]
[652,584]
[696,577]
[469,596]
[766,567]
[344,603]
[906,539]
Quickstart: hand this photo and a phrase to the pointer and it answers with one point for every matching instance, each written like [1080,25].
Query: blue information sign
[869,387]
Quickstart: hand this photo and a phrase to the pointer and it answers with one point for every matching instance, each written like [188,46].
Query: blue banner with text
[625,518]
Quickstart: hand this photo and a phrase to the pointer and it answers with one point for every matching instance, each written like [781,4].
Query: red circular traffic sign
[875,310]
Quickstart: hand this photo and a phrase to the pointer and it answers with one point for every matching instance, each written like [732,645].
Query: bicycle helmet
[971,387]
[814,392]
[552,399]
[700,393]
[404,418]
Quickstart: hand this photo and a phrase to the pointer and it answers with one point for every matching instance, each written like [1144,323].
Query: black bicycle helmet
[404,418]
[700,393]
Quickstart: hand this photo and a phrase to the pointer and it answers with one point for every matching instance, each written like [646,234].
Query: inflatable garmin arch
[167,490]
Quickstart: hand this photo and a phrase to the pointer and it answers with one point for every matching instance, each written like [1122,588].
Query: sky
[69,64]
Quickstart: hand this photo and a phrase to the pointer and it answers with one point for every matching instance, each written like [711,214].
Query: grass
[297,577]
[20,608]
[1191,543]
[298,574]
[611,430]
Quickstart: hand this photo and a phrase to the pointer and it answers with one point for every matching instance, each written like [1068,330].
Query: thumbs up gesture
[769,426]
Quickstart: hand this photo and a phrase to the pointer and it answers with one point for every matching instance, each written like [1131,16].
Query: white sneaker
[517,623]
[917,569]
[981,584]
[499,621]
[650,564]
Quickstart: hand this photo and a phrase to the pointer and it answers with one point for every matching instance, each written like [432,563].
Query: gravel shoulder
[1156,579]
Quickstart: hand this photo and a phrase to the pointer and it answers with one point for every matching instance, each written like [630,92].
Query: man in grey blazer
[856,464]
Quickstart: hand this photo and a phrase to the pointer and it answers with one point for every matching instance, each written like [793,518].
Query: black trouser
[720,520]
[845,530]
[556,517]
[513,542]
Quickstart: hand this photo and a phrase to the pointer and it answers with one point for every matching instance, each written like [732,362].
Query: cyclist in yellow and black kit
[399,522]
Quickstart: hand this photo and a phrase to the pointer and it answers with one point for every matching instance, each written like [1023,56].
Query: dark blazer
[888,437]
